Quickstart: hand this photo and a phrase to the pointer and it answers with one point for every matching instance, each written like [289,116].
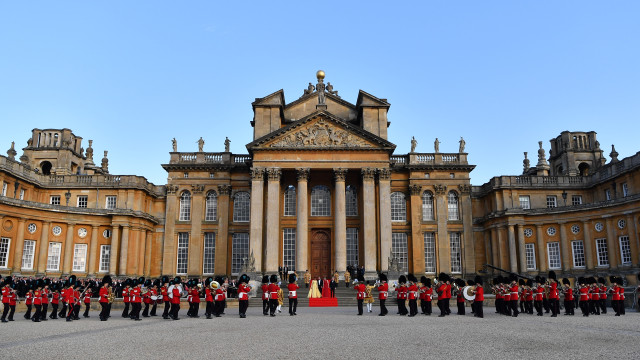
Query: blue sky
[131,75]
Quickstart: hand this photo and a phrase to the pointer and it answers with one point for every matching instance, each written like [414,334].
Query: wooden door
[320,253]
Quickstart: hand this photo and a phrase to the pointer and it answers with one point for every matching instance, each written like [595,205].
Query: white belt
[242,295]
[292,293]
[273,292]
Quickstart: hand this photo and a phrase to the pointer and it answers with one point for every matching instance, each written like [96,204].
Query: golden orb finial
[320,74]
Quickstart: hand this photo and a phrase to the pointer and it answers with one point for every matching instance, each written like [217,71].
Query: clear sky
[131,75]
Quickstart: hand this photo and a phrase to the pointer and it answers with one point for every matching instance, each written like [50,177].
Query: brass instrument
[111,295]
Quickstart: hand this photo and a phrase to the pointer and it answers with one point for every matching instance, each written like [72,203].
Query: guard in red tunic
[584,296]
[515,292]
[478,290]
[528,300]
[87,301]
[45,300]
[412,295]
[460,284]
[293,294]
[175,291]
[383,292]
[265,295]
[103,298]
[13,296]
[126,299]
[164,297]
[77,300]
[554,298]
[273,294]
[401,295]
[361,292]
[194,299]
[594,301]
[243,295]
[37,301]
[447,293]
[441,289]
[568,297]
[136,300]
[539,296]
[208,297]
[219,297]
[28,301]
[426,293]
[55,301]
[6,298]
[615,299]
[63,299]
[602,294]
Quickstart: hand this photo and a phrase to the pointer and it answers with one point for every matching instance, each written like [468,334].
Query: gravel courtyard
[326,333]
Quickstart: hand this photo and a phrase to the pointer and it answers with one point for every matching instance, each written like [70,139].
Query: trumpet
[111,295]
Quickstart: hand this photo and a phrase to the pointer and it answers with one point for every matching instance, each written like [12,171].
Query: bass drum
[466,292]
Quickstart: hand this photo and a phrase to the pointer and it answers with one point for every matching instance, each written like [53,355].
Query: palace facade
[319,188]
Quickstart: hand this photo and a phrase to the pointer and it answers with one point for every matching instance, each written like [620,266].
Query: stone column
[522,253]
[369,220]
[633,239]
[340,221]
[417,237]
[222,239]
[68,250]
[542,257]
[612,246]
[273,219]
[384,187]
[93,252]
[487,246]
[257,220]
[567,264]
[194,262]
[513,254]
[443,243]
[147,257]
[142,240]
[495,251]
[588,245]
[122,271]
[502,248]
[302,217]
[114,250]
[468,244]
[169,244]
[44,248]
[19,247]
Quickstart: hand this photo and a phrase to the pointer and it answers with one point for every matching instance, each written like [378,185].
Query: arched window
[185,206]
[351,201]
[427,206]
[211,210]
[453,206]
[290,201]
[241,207]
[320,201]
[398,207]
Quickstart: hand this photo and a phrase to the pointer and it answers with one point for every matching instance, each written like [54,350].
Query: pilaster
[384,188]
[302,217]
[19,247]
[273,219]
[93,252]
[495,251]
[567,264]
[44,248]
[257,219]
[542,251]
[114,251]
[513,254]
[369,220]
[633,239]
[417,238]
[124,248]
[194,265]
[169,244]
[222,238]
[612,245]
[340,221]
[588,245]
[68,250]
[522,255]
[443,243]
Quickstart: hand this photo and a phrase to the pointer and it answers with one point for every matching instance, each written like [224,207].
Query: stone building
[319,188]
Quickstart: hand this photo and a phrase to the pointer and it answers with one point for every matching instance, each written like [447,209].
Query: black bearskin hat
[72,280]
[427,283]
[156,283]
[566,281]
[273,279]
[141,280]
[521,282]
[513,278]
[147,283]
[442,277]
[412,278]
[265,279]
[423,280]
[219,280]
[591,280]
[402,279]
[383,277]
[177,280]
[582,281]
[552,275]
[165,279]
[244,278]
[208,281]
[459,282]
[471,282]
[478,280]
[602,280]
[292,278]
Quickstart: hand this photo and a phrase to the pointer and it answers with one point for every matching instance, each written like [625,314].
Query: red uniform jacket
[45,296]
[12,299]
[361,291]
[568,295]
[539,293]
[442,291]
[553,293]
[514,293]
[125,295]
[428,293]
[273,291]
[243,292]
[28,298]
[265,292]
[529,295]
[460,297]
[584,293]
[102,295]
[195,295]
[220,294]
[293,291]
[208,296]
[401,292]
[176,295]
[603,293]
[37,298]
[413,292]
[383,291]
[5,294]
[448,291]
[87,297]
[135,295]
[164,293]
[479,293]
[76,297]
[56,298]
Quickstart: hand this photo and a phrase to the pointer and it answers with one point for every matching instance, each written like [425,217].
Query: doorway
[320,253]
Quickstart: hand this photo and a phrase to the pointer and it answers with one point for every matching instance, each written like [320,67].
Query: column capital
[384,174]
[415,189]
[464,188]
[273,174]
[339,174]
[224,189]
[93,226]
[303,174]
[197,188]
[172,189]
[368,173]
[440,189]
[71,225]
[257,174]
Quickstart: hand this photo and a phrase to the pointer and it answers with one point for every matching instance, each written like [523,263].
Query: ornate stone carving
[257,173]
[303,174]
[89,153]
[321,134]
[172,189]
[464,188]
[12,151]
[541,157]
[436,145]
[394,263]
[613,154]
[310,89]
[440,189]
[368,173]
[415,189]
[414,143]
[224,189]
[384,174]
[248,264]
[330,90]
[174,144]
[197,188]
[200,144]
[227,144]
[105,163]
[462,145]
[525,164]
[273,174]
[339,174]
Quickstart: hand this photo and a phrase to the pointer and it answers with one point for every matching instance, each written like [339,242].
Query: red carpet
[320,302]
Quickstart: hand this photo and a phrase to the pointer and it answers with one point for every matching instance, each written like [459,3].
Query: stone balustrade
[203,158]
[430,159]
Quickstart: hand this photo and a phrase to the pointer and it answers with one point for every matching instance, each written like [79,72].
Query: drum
[466,292]
[154,298]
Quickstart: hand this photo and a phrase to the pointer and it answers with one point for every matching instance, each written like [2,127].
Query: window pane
[183,252]
[399,250]
[185,206]
[551,202]
[427,206]
[241,207]
[4,252]
[82,201]
[430,252]
[398,207]
[553,250]
[289,248]
[603,253]
[111,202]
[531,256]
[625,250]
[239,251]
[576,200]
[290,201]
[209,255]
[27,254]
[211,213]
[352,247]
[578,253]
[320,201]
[105,257]
[79,257]
[53,259]
[525,202]
[456,256]
[453,206]
[351,201]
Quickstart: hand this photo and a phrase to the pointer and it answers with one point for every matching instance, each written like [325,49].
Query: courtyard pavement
[326,333]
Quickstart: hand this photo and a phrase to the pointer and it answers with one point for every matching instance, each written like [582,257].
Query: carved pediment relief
[320,134]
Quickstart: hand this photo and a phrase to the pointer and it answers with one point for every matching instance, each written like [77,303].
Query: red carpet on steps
[320,302]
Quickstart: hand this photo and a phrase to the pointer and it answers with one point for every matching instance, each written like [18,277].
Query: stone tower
[575,154]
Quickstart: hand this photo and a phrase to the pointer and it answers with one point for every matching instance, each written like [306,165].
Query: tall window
[453,206]
[530,253]
[552,201]
[183,252]
[290,201]
[211,211]
[4,252]
[430,252]
[209,254]
[578,253]
[54,200]
[625,190]
[576,200]
[185,206]
[607,194]
[456,252]
[625,250]
[398,207]
[53,258]
[79,257]
[399,249]
[603,253]
[351,201]
[241,207]
[110,202]
[239,251]
[352,247]
[427,206]
[82,201]
[4,188]
[553,252]
[289,248]
[22,194]
[525,202]
[27,254]
[320,201]
[105,258]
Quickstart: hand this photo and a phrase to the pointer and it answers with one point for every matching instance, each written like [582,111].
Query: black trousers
[125,312]
[12,310]
[425,306]
[37,314]
[568,307]
[242,306]
[154,308]
[5,311]
[54,311]
[175,308]
[86,309]
[208,310]
[478,312]
[63,310]
[603,305]
[413,307]
[538,305]
[360,302]
[218,307]
[27,315]
[103,310]
[293,305]
[76,311]
[593,307]
[514,308]
[441,306]
[265,306]
[546,304]
[43,312]
[273,304]
[402,307]
[528,306]
[135,310]
[383,308]
[554,304]
[167,306]
[333,292]
[461,310]
[145,312]
[584,307]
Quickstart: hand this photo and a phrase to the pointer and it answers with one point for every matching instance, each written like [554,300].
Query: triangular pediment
[320,130]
